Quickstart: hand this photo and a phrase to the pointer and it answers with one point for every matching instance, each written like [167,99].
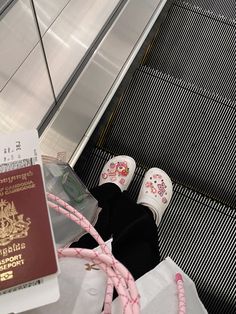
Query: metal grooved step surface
[198,46]
[224,9]
[189,133]
[178,113]
[198,233]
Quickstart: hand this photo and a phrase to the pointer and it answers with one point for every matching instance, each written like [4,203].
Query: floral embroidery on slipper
[122,168]
[122,181]
[164,200]
[157,187]
[161,188]
[104,175]
[116,170]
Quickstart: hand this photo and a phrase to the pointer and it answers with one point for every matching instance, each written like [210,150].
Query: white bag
[82,292]
[159,294]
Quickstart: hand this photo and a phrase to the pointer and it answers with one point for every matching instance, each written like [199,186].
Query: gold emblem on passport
[12,225]
[6,276]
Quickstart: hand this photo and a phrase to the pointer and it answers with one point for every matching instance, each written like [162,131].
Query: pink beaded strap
[181,294]
[118,275]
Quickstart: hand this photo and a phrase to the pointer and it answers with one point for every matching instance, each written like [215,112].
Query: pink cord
[74,215]
[80,219]
[181,294]
[118,275]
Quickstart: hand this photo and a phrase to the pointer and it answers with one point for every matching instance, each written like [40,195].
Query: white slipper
[118,170]
[156,192]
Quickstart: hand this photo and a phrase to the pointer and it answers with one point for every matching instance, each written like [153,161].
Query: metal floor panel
[4,4]
[189,133]
[198,47]
[198,233]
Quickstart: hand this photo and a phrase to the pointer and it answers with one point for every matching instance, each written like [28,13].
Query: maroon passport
[26,244]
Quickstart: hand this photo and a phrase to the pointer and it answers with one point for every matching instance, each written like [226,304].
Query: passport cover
[26,244]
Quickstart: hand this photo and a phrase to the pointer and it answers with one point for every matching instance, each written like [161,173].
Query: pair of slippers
[156,189]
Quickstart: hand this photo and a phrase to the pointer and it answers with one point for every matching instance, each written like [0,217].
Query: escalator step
[197,46]
[221,8]
[178,114]
[196,232]
[186,131]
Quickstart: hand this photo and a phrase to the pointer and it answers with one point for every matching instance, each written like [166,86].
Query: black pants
[134,232]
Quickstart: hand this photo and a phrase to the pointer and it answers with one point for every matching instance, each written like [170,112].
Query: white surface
[78,116]
[27,96]
[69,38]
[18,33]
[158,291]
[18,36]
[84,293]
[48,11]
